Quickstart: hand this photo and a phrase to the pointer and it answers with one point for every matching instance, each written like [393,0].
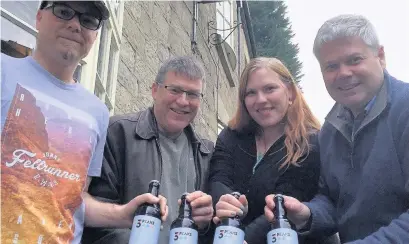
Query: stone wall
[155,31]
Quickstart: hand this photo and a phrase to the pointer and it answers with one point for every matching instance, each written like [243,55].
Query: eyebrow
[177,86]
[345,57]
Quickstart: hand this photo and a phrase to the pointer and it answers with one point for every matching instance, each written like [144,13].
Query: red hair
[299,120]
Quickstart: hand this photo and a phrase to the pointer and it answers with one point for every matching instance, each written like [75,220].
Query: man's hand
[109,215]
[202,209]
[229,206]
[127,211]
[297,212]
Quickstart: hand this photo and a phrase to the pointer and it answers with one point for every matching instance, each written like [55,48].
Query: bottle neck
[280,212]
[185,210]
[154,190]
[237,196]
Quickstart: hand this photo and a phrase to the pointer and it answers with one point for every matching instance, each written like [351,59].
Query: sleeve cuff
[304,230]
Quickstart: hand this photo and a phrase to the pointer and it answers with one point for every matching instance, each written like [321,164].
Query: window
[220,126]
[24,10]
[113,56]
[107,64]
[224,20]
[77,73]
[18,35]
[99,91]
[101,50]
[115,4]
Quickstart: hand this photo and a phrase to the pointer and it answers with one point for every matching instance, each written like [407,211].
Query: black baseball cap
[100,5]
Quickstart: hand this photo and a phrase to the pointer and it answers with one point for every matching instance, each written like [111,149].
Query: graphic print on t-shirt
[46,148]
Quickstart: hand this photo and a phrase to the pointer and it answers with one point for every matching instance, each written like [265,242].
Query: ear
[381,56]
[154,90]
[291,92]
[39,16]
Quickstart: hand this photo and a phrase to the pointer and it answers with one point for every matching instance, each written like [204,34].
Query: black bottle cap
[236,194]
[154,187]
[154,183]
[183,197]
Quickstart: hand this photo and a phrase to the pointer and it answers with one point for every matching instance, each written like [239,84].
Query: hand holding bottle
[148,218]
[229,206]
[230,229]
[183,229]
[297,212]
[129,209]
[202,209]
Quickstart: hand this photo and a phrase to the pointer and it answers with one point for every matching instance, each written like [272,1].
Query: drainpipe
[194,25]
[239,6]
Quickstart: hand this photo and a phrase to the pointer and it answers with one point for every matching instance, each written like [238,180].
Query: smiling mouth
[348,87]
[264,109]
[179,112]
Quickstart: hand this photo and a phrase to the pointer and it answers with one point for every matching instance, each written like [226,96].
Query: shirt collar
[370,105]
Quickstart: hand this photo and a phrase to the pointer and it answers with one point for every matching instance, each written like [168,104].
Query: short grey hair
[186,66]
[347,25]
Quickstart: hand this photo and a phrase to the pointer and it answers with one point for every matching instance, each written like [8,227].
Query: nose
[74,24]
[182,99]
[261,98]
[344,71]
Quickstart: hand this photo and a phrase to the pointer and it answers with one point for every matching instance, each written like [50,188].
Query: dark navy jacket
[364,186]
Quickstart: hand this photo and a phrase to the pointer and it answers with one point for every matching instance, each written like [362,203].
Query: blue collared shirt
[370,105]
[355,122]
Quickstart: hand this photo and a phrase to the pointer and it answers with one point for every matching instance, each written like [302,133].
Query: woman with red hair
[270,146]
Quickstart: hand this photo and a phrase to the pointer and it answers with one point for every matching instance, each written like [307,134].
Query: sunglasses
[65,12]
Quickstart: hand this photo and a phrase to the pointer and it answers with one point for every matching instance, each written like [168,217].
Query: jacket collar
[247,143]
[146,128]
[337,116]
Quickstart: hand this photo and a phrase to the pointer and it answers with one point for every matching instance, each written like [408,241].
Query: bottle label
[228,235]
[183,236]
[282,236]
[145,230]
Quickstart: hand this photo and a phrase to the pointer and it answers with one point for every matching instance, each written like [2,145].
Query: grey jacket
[132,158]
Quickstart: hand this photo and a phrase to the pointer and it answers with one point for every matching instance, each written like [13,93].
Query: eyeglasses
[65,12]
[177,91]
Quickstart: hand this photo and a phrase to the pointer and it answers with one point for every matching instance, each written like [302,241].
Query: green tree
[273,34]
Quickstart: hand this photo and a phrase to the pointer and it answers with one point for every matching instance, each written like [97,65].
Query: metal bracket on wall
[212,37]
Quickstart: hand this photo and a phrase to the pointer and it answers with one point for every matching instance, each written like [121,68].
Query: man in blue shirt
[53,134]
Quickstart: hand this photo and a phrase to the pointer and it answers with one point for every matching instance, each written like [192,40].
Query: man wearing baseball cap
[53,134]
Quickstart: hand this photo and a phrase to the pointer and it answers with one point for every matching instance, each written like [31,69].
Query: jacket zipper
[197,168]
[160,158]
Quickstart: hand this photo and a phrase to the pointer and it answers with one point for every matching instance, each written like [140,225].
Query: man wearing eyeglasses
[53,134]
[158,143]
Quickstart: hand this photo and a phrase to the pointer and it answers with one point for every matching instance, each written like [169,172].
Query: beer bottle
[229,230]
[147,220]
[183,229]
[281,229]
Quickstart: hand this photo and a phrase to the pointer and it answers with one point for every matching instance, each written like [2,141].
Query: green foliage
[273,34]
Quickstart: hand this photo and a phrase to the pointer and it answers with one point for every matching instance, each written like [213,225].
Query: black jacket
[231,169]
[132,159]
